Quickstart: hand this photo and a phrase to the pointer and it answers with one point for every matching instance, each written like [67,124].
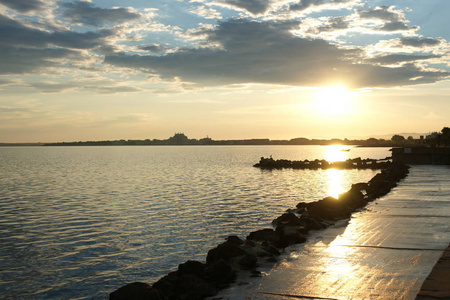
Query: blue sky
[97,70]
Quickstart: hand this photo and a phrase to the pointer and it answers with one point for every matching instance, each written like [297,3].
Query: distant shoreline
[180,139]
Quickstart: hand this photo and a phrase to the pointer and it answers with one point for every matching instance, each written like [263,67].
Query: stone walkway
[385,252]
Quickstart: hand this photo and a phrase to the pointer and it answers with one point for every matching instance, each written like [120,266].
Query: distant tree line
[433,139]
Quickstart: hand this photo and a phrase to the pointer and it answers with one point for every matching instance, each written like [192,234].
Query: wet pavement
[385,252]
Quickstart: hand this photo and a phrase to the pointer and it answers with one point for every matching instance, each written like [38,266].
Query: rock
[268,235]
[353,198]
[290,235]
[329,208]
[235,240]
[248,261]
[362,186]
[225,251]
[310,223]
[135,291]
[176,286]
[289,219]
[191,267]
[220,273]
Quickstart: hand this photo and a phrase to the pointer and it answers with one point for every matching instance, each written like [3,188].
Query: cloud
[25,49]
[333,24]
[4,81]
[88,14]
[393,59]
[396,26]
[85,40]
[51,87]
[254,7]
[420,42]
[24,6]
[26,60]
[153,48]
[392,20]
[207,13]
[385,13]
[258,52]
[318,5]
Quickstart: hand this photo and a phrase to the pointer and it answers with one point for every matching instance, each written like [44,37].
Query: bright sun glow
[333,100]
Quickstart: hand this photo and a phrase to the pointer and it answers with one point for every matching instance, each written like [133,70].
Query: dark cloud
[87,13]
[394,19]
[337,23]
[24,49]
[76,40]
[5,81]
[26,60]
[419,43]
[117,89]
[384,13]
[396,26]
[46,87]
[153,48]
[254,52]
[24,6]
[399,58]
[253,6]
[305,4]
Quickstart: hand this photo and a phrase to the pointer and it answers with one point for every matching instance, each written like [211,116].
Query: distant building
[178,139]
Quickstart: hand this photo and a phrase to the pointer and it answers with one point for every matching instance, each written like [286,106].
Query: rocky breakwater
[355,163]
[197,280]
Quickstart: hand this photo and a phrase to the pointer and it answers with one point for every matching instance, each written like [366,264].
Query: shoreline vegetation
[197,280]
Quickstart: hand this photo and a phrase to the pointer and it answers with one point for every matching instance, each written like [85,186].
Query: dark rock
[268,235]
[352,198]
[220,273]
[235,240]
[269,248]
[289,219]
[225,251]
[176,286]
[310,223]
[272,259]
[290,235]
[135,291]
[248,261]
[191,267]
[362,186]
[329,208]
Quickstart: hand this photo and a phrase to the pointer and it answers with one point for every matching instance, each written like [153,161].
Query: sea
[80,222]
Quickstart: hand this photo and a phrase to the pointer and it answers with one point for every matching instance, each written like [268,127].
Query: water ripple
[80,222]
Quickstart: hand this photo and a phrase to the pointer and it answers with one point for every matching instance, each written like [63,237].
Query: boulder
[220,273]
[290,235]
[176,286]
[135,291]
[191,267]
[289,219]
[248,261]
[225,251]
[268,235]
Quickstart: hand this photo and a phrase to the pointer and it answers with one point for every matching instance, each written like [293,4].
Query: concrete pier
[385,252]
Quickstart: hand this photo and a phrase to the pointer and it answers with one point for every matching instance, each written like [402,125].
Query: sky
[227,69]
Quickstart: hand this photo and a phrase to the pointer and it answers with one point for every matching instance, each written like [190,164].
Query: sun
[333,100]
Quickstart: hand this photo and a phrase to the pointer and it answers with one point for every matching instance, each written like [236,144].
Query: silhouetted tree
[445,136]
[398,138]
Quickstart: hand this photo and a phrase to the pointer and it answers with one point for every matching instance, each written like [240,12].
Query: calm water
[79,222]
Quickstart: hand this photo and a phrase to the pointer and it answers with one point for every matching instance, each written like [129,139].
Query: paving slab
[385,252]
